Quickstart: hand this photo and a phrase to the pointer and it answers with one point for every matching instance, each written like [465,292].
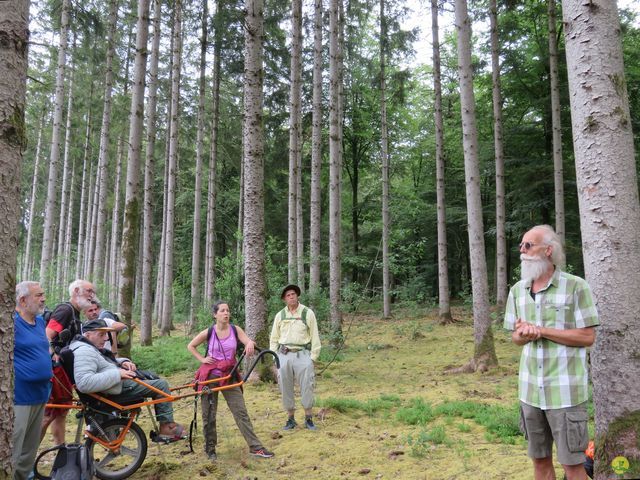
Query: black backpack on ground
[73,461]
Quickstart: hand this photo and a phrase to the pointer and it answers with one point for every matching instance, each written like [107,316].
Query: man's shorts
[61,392]
[566,426]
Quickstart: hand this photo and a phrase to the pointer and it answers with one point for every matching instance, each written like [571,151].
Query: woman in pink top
[220,354]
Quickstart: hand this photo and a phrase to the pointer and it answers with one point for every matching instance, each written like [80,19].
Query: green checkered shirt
[552,375]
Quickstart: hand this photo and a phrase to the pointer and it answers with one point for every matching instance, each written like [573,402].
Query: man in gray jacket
[97,371]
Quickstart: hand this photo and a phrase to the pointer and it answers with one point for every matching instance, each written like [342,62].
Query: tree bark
[14,32]
[316,156]
[253,150]
[484,355]
[556,123]
[130,229]
[146,312]
[609,223]
[335,166]
[444,307]
[54,156]
[501,239]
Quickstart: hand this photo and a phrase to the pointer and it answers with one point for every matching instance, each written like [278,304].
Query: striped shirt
[552,375]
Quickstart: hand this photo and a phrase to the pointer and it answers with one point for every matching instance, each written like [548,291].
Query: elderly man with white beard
[552,316]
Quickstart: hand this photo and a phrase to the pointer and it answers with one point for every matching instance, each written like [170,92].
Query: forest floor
[386,409]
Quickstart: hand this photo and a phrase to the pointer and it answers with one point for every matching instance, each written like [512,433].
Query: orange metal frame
[134,409]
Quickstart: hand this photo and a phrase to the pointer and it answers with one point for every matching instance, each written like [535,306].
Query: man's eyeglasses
[527,245]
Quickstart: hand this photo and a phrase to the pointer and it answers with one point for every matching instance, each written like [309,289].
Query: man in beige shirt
[295,337]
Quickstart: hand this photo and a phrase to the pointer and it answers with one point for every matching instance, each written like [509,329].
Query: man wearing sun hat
[295,337]
[97,371]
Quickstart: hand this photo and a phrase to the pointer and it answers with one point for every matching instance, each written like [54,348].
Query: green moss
[15,133]
[609,445]
[618,83]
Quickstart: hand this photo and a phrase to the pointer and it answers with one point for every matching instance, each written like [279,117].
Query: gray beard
[533,269]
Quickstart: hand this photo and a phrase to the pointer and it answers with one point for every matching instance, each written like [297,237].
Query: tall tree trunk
[99,252]
[444,307]
[112,284]
[159,302]
[316,155]
[130,228]
[299,218]
[556,123]
[294,135]
[14,30]
[253,151]
[240,232]
[335,165]
[210,240]
[501,239]
[65,191]
[26,270]
[91,220]
[384,153]
[85,195]
[54,156]
[66,254]
[167,304]
[197,204]
[146,323]
[609,223]
[484,354]
[91,225]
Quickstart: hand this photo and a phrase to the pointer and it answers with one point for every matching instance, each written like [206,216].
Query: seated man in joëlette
[97,371]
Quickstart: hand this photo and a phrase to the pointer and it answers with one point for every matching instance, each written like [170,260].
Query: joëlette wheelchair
[116,442]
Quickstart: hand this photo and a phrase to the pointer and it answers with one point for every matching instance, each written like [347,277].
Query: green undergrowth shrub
[167,355]
[424,440]
[418,412]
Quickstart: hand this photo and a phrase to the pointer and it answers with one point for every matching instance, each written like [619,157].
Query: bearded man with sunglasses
[552,316]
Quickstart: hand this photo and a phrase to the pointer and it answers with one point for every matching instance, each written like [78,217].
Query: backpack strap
[303,315]
[234,330]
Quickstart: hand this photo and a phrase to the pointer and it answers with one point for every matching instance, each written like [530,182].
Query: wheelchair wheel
[124,462]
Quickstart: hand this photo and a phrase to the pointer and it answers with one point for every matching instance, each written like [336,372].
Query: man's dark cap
[293,287]
[98,324]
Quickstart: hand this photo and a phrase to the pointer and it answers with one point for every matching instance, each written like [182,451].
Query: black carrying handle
[36,473]
[261,354]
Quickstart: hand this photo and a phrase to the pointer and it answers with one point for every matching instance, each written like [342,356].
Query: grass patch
[418,413]
[425,440]
[344,405]
[502,423]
